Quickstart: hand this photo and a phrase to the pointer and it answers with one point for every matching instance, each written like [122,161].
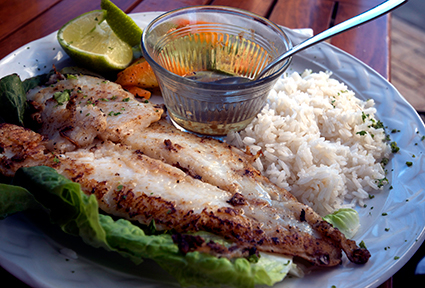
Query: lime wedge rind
[122,24]
[91,43]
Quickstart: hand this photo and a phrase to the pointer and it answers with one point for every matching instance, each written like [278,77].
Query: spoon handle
[358,20]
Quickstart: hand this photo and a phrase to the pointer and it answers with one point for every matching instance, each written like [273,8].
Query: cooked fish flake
[93,108]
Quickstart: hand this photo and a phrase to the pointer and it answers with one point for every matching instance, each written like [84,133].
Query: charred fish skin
[19,147]
[131,185]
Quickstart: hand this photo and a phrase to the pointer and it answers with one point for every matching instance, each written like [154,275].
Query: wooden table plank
[125,5]
[259,7]
[369,42]
[166,5]
[26,10]
[289,13]
[51,20]
[303,14]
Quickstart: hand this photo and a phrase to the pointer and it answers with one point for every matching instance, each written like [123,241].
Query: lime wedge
[122,24]
[90,42]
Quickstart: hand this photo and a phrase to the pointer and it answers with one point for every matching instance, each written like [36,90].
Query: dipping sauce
[211,128]
[205,44]
[208,75]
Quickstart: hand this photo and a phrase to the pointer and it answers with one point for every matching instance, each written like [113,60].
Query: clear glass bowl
[181,43]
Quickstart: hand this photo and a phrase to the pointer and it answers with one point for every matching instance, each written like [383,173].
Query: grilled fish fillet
[202,183]
[75,111]
[131,185]
[229,169]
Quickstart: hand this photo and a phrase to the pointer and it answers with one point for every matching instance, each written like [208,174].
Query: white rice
[316,140]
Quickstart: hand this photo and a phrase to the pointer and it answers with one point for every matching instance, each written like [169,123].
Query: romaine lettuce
[15,199]
[346,220]
[13,96]
[77,214]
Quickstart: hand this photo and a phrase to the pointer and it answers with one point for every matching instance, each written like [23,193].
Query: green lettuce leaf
[13,96]
[77,214]
[35,81]
[12,100]
[347,220]
[15,199]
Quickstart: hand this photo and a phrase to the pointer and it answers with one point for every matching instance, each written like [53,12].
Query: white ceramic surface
[33,251]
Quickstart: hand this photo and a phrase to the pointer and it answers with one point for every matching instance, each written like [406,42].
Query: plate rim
[377,280]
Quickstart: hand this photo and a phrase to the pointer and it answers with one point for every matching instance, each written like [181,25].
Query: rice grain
[318,141]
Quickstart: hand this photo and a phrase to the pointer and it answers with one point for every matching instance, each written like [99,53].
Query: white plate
[32,252]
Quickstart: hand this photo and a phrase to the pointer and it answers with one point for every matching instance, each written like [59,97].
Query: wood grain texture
[15,14]
[408,62]
[259,7]
[314,14]
[49,21]
[369,42]
[166,5]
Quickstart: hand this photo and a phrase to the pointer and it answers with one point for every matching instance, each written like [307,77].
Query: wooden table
[27,20]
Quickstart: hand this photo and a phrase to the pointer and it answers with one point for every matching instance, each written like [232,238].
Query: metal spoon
[337,29]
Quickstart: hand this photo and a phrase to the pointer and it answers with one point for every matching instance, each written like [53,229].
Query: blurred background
[408,76]
[408,52]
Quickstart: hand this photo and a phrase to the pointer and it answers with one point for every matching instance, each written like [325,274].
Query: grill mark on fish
[302,215]
[172,147]
[63,132]
[189,243]
[237,200]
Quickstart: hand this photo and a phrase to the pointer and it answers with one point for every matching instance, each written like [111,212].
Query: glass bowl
[197,40]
